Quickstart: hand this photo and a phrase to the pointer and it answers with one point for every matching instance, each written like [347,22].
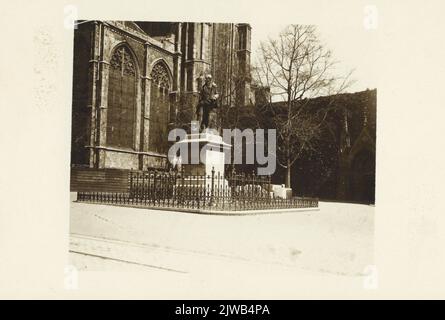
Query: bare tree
[297,67]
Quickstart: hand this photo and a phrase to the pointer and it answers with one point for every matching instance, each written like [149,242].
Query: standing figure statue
[207,104]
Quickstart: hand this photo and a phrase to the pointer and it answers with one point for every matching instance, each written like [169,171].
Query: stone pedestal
[203,167]
[205,153]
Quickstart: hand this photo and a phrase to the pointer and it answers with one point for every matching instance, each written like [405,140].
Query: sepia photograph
[216,157]
[193,144]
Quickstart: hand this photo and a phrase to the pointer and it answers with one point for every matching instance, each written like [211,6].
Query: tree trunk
[288,177]
[289,106]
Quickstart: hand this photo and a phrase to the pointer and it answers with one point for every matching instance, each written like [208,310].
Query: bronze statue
[208,102]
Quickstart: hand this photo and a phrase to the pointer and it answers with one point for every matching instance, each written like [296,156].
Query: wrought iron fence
[173,190]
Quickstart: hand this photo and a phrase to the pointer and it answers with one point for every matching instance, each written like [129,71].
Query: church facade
[132,81]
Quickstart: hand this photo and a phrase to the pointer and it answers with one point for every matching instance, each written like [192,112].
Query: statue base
[205,154]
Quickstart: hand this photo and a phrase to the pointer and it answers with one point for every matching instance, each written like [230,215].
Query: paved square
[337,239]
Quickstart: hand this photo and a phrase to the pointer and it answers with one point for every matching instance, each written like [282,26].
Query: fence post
[213,185]
[144,187]
[155,190]
[130,182]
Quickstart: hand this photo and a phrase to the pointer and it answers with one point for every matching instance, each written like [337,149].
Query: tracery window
[159,108]
[121,99]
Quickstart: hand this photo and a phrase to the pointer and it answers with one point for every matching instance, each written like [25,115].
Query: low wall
[98,180]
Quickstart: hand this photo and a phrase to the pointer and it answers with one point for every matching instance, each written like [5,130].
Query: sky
[352,45]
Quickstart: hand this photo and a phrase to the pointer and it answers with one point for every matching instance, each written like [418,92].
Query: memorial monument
[206,109]
[204,143]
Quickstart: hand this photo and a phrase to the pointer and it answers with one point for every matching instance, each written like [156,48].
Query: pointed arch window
[121,99]
[159,108]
